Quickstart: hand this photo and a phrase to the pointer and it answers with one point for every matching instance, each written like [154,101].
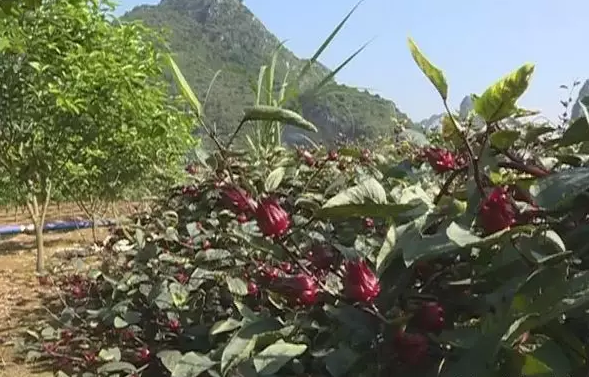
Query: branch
[446,186]
[519,166]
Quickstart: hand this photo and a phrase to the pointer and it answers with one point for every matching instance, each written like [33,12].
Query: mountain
[211,35]
[434,122]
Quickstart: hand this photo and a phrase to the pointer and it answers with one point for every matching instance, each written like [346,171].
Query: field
[20,292]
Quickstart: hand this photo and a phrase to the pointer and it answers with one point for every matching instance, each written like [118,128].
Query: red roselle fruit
[430,317]
[90,357]
[365,156]
[182,277]
[411,349]
[302,288]
[360,283]
[174,325]
[206,244]
[286,267]
[239,199]
[78,291]
[497,211]
[144,354]
[368,223]
[441,160]
[191,169]
[272,219]
[252,288]
[332,155]
[242,218]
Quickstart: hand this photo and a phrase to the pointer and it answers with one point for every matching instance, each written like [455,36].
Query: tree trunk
[40,246]
[94,229]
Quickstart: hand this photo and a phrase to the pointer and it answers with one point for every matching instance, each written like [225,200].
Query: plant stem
[234,134]
[473,159]
[446,186]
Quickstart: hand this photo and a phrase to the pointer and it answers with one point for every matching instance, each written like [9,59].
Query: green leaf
[386,251]
[555,190]
[192,364]
[274,179]
[275,356]
[110,354]
[535,132]
[368,190]
[498,101]
[277,114]
[577,132]
[185,88]
[434,74]
[236,286]
[117,366]
[243,342]
[340,361]
[170,358]
[226,325]
[504,139]
[546,360]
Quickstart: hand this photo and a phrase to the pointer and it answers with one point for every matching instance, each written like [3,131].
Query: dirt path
[20,292]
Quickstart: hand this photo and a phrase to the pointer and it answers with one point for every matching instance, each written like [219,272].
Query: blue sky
[474,42]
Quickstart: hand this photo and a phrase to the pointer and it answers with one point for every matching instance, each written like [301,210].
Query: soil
[21,295]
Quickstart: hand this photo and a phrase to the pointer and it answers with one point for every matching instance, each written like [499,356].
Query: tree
[85,108]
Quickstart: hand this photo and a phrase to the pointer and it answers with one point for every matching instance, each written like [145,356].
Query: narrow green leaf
[184,87]
[277,114]
[433,73]
[498,101]
[386,251]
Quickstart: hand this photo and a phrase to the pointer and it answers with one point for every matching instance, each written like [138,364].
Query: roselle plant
[472,264]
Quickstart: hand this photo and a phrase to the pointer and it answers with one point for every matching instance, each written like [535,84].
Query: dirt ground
[21,295]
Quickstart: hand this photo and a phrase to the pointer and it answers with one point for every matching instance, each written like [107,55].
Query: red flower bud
[360,283]
[332,155]
[365,156]
[239,199]
[174,325]
[368,223]
[497,211]
[269,273]
[242,218]
[273,221]
[90,357]
[66,335]
[286,267]
[411,348]
[321,256]
[431,317]
[78,292]
[441,160]
[144,354]
[300,287]
[252,288]
[191,169]
[308,157]
[182,277]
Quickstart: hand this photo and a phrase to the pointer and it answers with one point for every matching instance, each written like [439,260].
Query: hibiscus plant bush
[461,258]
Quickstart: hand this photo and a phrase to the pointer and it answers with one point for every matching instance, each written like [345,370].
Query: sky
[474,42]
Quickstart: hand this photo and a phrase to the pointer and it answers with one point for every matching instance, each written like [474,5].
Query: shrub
[465,259]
